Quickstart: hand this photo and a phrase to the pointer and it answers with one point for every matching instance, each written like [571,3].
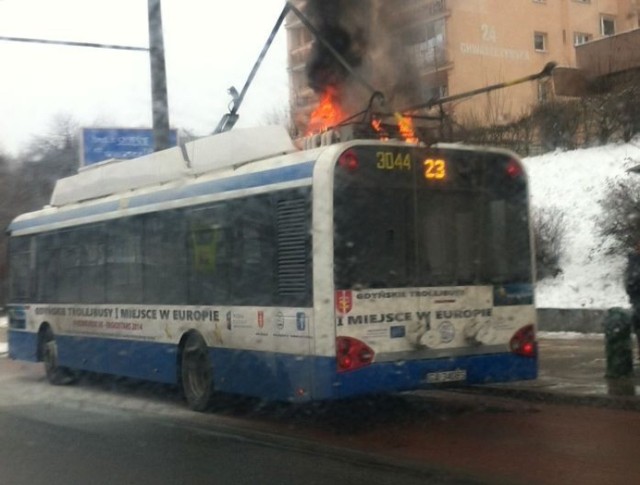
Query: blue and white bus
[240,264]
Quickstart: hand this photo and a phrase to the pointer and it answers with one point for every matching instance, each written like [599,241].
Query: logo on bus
[301,321]
[344,301]
[447,332]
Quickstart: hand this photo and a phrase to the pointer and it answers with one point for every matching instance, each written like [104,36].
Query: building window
[540,41]
[539,1]
[580,38]
[607,25]
[582,1]
[426,44]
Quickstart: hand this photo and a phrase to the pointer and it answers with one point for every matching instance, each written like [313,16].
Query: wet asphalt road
[116,431]
[105,431]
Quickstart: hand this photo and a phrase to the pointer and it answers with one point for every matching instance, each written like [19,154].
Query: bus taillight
[523,342]
[514,169]
[352,354]
[349,161]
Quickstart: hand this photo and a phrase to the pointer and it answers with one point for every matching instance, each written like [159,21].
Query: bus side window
[69,274]
[254,265]
[22,254]
[165,259]
[204,243]
[48,268]
[124,262]
[209,240]
[92,282]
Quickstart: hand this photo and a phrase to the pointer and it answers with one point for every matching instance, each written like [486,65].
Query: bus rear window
[467,223]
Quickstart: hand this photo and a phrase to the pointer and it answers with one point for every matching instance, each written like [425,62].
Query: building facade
[460,45]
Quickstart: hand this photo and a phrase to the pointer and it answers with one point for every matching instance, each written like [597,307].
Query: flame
[327,114]
[376,124]
[405,125]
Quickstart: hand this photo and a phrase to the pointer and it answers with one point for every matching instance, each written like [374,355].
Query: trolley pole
[159,102]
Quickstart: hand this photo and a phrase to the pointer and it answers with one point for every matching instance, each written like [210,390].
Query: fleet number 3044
[433,168]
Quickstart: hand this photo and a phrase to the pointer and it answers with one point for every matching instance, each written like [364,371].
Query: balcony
[609,55]
[299,56]
[423,8]
[429,57]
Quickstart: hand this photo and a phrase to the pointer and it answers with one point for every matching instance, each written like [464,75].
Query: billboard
[99,144]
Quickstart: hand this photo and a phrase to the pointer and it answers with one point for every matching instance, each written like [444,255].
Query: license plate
[457,375]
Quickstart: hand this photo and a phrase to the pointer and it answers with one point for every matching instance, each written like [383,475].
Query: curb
[623,403]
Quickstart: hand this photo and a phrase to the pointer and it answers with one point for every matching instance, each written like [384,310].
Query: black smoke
[371,36]
[334,19]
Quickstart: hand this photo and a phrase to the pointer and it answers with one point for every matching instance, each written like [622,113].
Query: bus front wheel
[197,373]
[55,374]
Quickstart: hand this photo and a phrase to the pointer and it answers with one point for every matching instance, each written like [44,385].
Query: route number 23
[435,169]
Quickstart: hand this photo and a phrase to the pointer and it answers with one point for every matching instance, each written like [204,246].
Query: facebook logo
[301,321]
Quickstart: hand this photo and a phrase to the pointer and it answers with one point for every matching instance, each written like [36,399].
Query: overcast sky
[210,45]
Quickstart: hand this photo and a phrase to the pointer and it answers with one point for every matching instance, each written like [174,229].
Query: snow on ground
[574,182]
[570,335]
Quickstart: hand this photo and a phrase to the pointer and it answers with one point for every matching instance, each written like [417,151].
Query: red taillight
[523,342]
[352,354]
[514,169]
[349,161]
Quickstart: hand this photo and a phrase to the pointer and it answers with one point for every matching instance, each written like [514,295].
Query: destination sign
[432,168]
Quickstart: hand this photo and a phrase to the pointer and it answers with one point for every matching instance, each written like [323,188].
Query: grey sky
[210,45]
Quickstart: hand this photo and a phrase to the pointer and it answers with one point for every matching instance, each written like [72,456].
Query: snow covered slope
[574,182]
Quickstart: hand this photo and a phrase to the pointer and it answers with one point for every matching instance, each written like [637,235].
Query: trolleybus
[240,264]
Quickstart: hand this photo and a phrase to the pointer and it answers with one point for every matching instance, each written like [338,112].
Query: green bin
[617,335]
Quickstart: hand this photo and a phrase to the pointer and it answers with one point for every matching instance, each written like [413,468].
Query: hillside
[574,182]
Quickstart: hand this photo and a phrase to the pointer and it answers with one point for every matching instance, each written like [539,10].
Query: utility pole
[159,103]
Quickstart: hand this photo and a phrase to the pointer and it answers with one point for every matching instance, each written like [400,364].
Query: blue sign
[99,144]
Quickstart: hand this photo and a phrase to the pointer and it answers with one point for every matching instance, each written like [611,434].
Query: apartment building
[460,45]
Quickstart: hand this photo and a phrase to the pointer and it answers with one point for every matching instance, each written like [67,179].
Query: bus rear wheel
[55,373]
[197,373]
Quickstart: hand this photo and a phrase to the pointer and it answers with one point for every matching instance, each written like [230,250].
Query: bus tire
[56,374]
[197,373]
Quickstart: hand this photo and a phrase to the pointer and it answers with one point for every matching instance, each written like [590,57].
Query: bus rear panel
[433,269]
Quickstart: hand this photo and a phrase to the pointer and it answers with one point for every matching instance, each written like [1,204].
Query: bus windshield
[412,217]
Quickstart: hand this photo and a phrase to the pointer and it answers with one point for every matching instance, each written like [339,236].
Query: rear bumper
[412,375]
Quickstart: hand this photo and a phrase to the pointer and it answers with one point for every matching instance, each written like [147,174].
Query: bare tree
[619,221]
[549,229]
[49,157]
[280,116]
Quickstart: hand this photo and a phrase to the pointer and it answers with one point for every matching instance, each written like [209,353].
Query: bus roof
[194,158]
[236,161]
